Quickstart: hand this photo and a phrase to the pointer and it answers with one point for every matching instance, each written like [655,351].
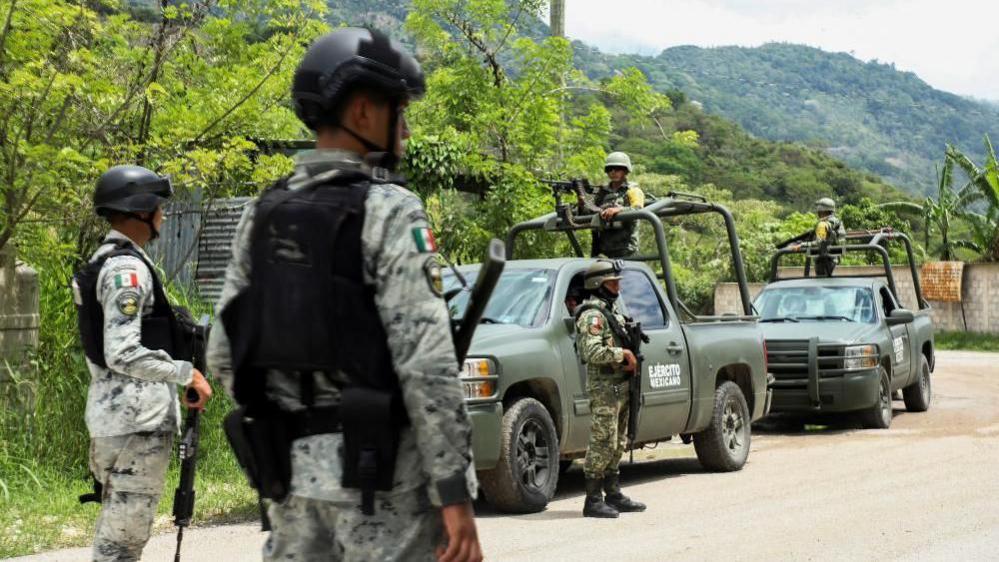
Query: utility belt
[370,420]
[612,372]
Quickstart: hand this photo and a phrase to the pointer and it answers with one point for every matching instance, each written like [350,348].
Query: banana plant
[939,213]
[984,181]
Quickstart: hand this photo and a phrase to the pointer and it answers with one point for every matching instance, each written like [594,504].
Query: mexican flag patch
[126,280]
[424,240]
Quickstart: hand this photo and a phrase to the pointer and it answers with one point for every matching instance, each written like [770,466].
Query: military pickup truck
[703,378]
[845,344]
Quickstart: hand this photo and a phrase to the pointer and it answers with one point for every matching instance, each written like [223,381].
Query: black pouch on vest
[370,442]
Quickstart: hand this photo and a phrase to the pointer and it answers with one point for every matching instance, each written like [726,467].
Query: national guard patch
[128,304]
[432,270]
[424,239]
[596,325]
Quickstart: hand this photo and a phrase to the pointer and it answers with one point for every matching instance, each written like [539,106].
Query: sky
[951,44]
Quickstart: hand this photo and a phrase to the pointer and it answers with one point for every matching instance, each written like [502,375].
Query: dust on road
[926,489]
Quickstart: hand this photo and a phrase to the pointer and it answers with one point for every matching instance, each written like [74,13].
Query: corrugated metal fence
[195,242]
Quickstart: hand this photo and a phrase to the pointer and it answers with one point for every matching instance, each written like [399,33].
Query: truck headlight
[478,378]
[858,357]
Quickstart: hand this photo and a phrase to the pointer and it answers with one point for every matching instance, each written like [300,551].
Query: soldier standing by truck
[599,325]
[619,241]
[334,332]
[130,336]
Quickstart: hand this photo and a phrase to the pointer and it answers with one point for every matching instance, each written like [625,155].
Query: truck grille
[788,359]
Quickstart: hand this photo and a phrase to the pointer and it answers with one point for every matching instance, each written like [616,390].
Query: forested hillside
[871,115]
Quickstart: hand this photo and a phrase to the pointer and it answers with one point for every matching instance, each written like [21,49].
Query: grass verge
[39,510]
[967,341]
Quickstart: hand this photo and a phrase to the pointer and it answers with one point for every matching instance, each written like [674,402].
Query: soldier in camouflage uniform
[829,231]
[132,410]
[618,241]
[428,511]
[608,366]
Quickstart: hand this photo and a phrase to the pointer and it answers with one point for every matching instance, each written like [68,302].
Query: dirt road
[927,489]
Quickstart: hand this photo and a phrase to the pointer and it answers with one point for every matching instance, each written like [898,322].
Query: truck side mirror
[900,316]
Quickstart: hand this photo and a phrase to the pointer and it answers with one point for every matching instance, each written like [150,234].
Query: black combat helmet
[130,190]
[346,59]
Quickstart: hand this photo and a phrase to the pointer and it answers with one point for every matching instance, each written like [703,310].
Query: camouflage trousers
[405,527]
[132,469]
[608,426]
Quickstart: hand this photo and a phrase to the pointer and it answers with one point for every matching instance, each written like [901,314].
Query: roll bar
[858,241]
[675,204]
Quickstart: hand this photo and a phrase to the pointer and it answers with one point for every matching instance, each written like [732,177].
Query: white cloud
[953,45]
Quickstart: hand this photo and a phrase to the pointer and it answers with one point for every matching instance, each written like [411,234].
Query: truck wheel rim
[532,456]
[733,427]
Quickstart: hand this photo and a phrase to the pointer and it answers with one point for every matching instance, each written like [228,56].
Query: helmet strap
[384,156]
[603,294]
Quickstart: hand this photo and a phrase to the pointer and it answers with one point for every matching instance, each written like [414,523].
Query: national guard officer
[599,323]
[620,241]
[332,317]
[129,334]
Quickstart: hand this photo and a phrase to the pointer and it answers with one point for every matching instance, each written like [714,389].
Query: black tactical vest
[307,307]
[160,329]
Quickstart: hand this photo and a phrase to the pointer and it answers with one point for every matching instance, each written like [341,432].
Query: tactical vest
[160,329]
[307,308]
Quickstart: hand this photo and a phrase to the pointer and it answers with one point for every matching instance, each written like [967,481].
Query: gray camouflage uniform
[132,410]
[320,520]
[607,387]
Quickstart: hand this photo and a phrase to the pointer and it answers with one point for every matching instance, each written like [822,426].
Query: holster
[371,431]
[261,442]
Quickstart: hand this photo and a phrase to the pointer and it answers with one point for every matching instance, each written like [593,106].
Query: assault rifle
[804,237]
[183,497]
[489,275]
[634,342]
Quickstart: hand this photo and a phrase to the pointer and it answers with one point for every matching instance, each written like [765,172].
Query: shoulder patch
[128,303]
[125,279]
[595,324]
[432,271]
[424,238]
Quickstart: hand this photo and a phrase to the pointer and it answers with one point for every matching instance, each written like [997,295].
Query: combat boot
[594,505]
[617,500]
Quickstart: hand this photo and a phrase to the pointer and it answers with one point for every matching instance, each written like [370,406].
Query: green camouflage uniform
[829,231]
[620,240]
[607,386]
[132,410]
[320,519]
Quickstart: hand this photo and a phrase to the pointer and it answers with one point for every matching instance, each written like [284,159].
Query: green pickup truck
[845,344]
[703,378]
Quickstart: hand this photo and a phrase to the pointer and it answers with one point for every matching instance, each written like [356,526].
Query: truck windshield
[522,297]
[796,304]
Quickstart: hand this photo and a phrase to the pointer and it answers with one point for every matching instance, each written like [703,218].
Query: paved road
[924,490]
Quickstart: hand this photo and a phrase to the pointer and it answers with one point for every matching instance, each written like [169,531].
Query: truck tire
[724,445]
[918,395]
[527,471]
[879,415]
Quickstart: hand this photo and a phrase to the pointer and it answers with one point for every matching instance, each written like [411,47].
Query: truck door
[666,369]
[901,342]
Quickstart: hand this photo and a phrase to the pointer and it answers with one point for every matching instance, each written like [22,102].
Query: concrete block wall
[980,290]
[19,317]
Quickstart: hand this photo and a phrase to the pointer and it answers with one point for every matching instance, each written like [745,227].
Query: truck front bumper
[486,422]
[854,390]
